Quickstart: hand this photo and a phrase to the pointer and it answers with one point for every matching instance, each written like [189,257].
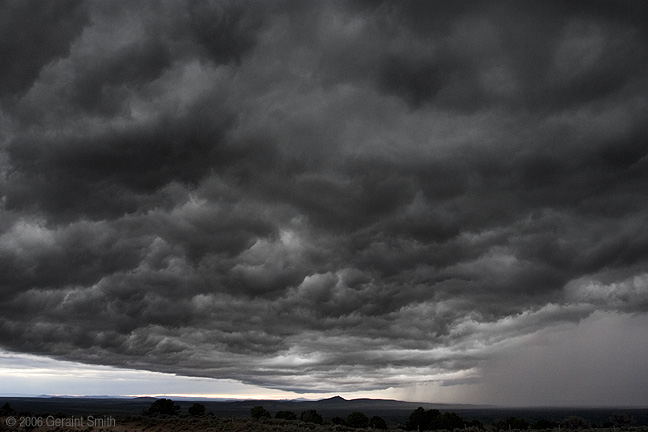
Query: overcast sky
[439,201]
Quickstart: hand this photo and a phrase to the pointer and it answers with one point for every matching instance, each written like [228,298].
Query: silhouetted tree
[545,424]
[286,415]
[357,420]
[258,412]
[197,409]
[417,420]
[420,419]
[516,423]
[433,413]
[574,422]
[447,420]
[338,421]
[311,416]
[6,409]
[377,423]
[163,407]
[474,424]
[621,419]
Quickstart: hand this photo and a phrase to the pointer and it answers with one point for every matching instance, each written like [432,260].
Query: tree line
[166,407]
[419,420]
[355,419]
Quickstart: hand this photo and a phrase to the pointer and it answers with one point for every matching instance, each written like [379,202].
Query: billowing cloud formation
[339,196]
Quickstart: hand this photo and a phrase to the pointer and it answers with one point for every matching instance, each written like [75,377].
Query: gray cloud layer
[344,195]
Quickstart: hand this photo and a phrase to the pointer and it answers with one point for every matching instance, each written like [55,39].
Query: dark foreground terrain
[334,414]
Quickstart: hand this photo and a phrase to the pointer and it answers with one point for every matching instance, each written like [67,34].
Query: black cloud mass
[317,196]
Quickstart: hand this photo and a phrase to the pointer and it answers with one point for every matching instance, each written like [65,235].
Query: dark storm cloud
[33,35]
[97,174]
[226,30]
[350,195]
[559,51]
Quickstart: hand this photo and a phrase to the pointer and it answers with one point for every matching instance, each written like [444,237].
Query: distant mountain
[334,399]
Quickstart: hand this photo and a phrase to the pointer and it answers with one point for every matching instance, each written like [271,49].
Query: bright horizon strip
[255,397]
[26,375]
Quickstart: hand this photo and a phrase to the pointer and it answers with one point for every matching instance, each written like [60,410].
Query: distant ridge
[335,398]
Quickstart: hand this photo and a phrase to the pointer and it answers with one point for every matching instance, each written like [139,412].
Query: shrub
[6,409]
[621,419]
[475,424]
[420,419]
[447,420]
[311,416]
[163,407]
[357,420]
[338,421]
[286,415]
[574,422]
[432,419]
[377,423]
[545,424]
[258,412]
[197,409]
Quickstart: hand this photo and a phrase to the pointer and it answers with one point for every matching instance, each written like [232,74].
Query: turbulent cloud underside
[321,197]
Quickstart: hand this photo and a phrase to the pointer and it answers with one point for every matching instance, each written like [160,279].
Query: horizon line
[226,398]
